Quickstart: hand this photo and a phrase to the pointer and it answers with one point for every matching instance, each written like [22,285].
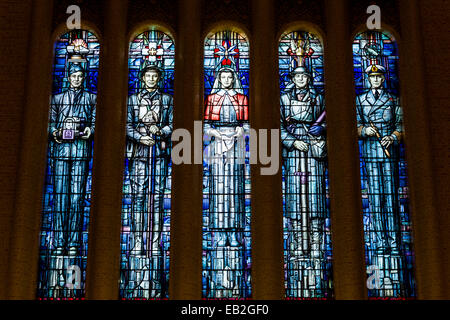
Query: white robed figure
[226,121]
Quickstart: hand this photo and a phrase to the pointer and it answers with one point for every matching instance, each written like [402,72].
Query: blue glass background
[136,62]
[60,83]
[315,64]
[388,57]
[211,66]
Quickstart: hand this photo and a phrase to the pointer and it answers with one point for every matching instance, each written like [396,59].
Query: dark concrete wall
[14,42]
[435,16]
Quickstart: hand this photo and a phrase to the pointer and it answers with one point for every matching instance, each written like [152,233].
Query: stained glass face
[306,216]
[145,237]
[384,185]
[226,169]
[68,180]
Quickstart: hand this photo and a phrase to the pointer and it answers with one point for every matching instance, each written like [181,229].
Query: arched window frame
[146,268]
[245,291]
[64,265]
[326,290]
[376,282]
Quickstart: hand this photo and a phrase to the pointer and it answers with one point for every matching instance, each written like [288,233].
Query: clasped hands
[386,141]
[301,146]
[239,131]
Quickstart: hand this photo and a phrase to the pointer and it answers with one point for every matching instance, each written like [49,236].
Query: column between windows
[427,248]
[102,277]
[22,273]
[266,195]
[345,194]
[185,280]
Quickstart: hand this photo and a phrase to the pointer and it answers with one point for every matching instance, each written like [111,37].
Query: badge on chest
[149,111]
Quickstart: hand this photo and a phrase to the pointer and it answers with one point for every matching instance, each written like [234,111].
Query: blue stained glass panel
[306,216]
[68,179]
[226,168]
[384,185]
[145,237]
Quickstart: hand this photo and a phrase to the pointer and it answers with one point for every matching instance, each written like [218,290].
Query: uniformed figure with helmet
[304,161]
[72,123]
[149,128]
[379,119]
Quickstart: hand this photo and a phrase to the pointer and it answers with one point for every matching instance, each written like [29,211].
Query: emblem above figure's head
[78,47]
[78,50]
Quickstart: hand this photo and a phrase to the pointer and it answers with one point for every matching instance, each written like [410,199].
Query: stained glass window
[145,237]
[306,217]
[226,168]
[387,224]
[68,180]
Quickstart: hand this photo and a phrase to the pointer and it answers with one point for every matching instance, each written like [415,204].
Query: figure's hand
[302,146]
[146,140]
[316,130]
[57,135]
[370,132]
[239,131]
[86,133]
[387,141]
[215,133]
[155,130]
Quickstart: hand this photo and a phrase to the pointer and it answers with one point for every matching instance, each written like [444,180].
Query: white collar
[231,92]
[375,90]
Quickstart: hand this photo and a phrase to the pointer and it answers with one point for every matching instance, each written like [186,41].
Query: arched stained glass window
[387,224]
[68,180]
[307,235]
[145,238]
[226,168]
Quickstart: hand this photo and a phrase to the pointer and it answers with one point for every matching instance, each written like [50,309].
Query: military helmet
[150,67]
[299,70]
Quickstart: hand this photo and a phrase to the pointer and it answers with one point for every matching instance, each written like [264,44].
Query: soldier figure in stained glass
[379,119]
[226,117]
[72,122]
[149,127]
[304,160]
